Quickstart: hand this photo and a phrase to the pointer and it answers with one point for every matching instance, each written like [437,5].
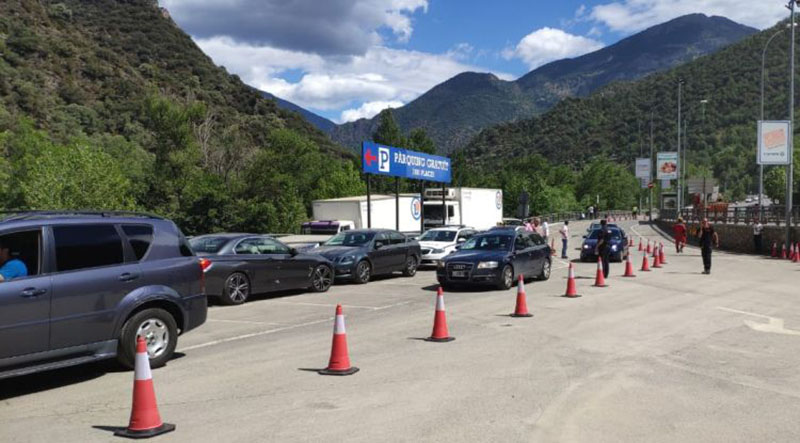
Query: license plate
[459,273]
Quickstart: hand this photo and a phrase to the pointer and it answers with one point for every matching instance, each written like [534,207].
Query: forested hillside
[614,123]
[108,104]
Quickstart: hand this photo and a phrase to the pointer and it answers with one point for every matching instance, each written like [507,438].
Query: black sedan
[359,254]
[496,258]
[244,264]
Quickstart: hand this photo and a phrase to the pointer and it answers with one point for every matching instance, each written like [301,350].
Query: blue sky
[349,59]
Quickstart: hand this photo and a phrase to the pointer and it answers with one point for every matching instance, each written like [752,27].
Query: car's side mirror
[584,236]
[461,240]
[293,251]
[378,245]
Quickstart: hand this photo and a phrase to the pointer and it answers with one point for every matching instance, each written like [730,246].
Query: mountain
[321,123]
[454,111]
[721,103]
[141,113]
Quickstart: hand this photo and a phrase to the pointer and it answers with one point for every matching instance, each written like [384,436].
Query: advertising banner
[773,142]
[398,162]
[643,168]
[667,165]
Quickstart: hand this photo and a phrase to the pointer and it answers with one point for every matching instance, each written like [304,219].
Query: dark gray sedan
[244,264]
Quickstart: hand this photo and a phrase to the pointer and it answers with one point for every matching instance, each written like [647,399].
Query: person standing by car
[679,232]
[707,237]
[603,249]
[564,231]
[758,230]
[528,226]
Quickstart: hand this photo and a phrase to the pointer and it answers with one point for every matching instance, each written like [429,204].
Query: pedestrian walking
[708,237]
[603,249]
[564,231]
[679,232]
[758,230]
[591,212]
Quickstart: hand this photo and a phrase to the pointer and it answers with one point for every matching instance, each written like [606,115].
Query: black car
[618,242]
[497,258]
[358,255]
[87,284]
[244,264]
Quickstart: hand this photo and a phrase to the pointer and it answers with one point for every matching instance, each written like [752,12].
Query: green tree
[388,133]
[418,140]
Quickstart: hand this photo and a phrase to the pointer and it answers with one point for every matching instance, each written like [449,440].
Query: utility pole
[680,164]
[763,79]
[790,169]
[649,187]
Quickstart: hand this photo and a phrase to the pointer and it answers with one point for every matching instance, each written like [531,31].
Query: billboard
[643,168]
[773,142]
[667,165]
[398,162]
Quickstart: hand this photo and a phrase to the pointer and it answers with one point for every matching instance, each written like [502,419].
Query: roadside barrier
[599,278]
[521,308]
[628,266]
[440,333]
[145,420]
[572,291]
[339,364]
[645,263]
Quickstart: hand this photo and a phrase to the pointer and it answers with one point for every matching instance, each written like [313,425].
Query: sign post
[402,163]
[773,142]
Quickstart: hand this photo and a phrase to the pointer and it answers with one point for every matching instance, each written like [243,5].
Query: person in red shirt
[679,231]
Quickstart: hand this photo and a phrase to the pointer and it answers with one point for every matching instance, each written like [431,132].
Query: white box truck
[479,208]
[383,211]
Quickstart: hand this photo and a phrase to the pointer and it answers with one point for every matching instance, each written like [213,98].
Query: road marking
[253,334]
[243,321]
[328,305]
[774,326]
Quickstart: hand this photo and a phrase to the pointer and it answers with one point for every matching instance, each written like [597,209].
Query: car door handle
[128,277]
[32,292]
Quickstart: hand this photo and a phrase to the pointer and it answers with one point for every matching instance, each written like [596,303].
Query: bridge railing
[775,215]
[576,215]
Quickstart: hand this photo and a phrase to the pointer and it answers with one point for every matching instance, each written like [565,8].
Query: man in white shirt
[545,231]
[758,229]
[564,238]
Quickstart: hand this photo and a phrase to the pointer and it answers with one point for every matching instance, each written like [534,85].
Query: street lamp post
[790,169]
[763,80]
[680,164]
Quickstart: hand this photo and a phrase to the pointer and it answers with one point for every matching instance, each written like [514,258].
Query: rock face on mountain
[456,110]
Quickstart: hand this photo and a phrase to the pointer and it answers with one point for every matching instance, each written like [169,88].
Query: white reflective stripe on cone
[571,271]
[142,369]
[338,325]
[440,303]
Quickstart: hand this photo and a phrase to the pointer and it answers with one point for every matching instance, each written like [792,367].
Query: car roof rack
[16,215]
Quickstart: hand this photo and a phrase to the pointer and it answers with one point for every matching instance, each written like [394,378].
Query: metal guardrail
[774,215]
[576,215]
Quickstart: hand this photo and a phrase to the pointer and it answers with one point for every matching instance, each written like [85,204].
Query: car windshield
[615,234]
[350,239]
[208,245]
[446,236]
[496,242]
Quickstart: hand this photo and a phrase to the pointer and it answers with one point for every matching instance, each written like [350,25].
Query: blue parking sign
[398,162]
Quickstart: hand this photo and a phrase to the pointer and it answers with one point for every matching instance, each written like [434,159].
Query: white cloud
[330,27]
[547,44]
[334,83]
[367,110]
[636,15]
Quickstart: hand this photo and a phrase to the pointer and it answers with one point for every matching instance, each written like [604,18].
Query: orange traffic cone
[521,310]
[794,253]
[600,278]
[656,259]
[553,247]
[649,251]
[572,292]
[661,254]
[440,333]
[339,364]
[145,420]
[783,251]
[774,250]
[640,245]
[628,266]
[645,263]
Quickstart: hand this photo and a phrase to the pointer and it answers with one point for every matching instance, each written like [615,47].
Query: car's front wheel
[411,266]
[158,329]
[363,272]
[506,278]
[321,278]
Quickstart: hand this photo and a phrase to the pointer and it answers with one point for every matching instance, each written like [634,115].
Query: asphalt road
[669,356]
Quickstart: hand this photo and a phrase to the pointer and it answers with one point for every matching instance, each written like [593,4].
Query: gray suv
[92,282]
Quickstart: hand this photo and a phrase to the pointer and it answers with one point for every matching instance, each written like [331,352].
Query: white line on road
[330,305]
[243,321]
[775,325]
[254,334]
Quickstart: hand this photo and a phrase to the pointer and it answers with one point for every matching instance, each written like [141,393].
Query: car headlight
[613,247]
[585,246]
[437,251]
[346,260]
[487,265]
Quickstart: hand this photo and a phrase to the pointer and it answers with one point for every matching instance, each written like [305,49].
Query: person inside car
[10,268]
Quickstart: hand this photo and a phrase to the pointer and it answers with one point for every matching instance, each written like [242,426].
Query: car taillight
[205,264]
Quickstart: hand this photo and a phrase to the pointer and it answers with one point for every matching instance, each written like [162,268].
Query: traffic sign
[398,162]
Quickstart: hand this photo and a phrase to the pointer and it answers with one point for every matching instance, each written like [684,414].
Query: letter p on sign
[384,165]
